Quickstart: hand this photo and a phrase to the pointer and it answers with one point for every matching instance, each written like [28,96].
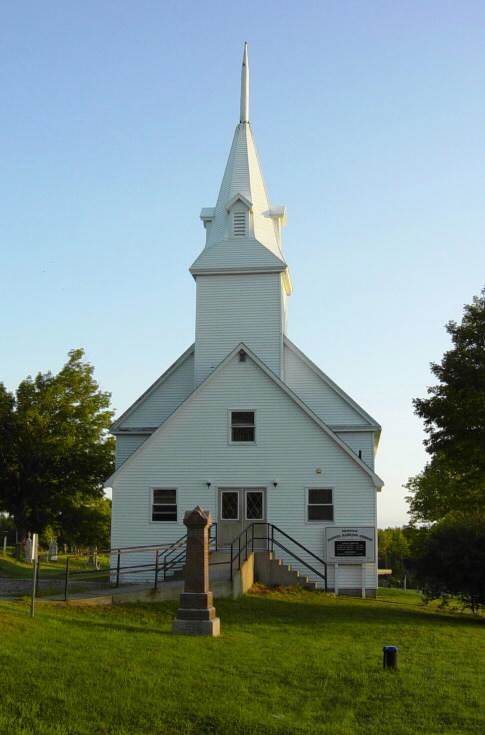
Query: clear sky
[116,121]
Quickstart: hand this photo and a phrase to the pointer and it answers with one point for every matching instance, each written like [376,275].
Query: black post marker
[389,660]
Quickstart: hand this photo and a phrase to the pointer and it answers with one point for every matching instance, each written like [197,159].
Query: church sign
[350,544]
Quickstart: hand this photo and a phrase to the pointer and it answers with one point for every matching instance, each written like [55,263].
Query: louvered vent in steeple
[239,224]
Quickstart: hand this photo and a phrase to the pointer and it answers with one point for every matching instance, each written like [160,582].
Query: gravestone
[28,548]
[197,614]
[53,550]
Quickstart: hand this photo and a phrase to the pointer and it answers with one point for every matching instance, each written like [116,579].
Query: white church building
[243,423]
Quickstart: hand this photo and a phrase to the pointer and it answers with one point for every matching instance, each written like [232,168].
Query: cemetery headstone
[53,550]
[28,548]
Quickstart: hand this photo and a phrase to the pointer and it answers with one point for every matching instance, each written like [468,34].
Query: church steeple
[241,274]
[243,230]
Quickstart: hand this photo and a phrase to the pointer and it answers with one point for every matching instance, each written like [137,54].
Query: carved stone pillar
[197,614]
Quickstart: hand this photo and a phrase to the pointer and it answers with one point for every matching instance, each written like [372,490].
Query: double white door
[239,507]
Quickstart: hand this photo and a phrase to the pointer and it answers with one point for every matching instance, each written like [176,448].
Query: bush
[450,559]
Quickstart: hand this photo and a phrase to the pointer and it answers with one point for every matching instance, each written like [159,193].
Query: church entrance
[239,507]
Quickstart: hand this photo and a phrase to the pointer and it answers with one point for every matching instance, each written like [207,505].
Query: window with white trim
[164,504]
[243,427]
[239,224]
[320,504]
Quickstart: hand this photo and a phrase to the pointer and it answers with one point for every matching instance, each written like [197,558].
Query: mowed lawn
[287,662]
[12,568]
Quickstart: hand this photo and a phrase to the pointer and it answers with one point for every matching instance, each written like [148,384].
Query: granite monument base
[196,615]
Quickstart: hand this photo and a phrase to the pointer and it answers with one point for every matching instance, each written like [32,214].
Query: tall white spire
[256,241]
[244,115]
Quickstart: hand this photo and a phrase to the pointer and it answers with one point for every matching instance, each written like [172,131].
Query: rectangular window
[320,504]
[164,504]
[239,222]
[230,505]
[243,428]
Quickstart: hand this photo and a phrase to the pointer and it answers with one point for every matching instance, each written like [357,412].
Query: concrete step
[273,571]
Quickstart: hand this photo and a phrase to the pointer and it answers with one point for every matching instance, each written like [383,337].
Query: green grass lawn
[287,662]
[17,569]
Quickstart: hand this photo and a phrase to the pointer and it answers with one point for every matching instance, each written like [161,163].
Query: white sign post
[35,559]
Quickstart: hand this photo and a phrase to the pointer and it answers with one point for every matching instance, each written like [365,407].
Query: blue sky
[116,121]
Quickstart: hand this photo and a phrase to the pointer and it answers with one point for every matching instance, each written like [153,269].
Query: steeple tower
[243,239]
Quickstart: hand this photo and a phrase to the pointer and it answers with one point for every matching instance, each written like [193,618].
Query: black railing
[169,560]
[244,544]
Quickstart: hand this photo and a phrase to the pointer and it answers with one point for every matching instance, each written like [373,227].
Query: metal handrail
[322,561]
[270,538]
[169,559]
[309,566]
[163,554]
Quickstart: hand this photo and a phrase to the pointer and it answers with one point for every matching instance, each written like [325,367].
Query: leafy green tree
[394,550]
[54,450]
[450,559]
[88,524]
[454,420]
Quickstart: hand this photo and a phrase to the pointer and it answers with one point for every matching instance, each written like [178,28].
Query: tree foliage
[450,559]
[54,450]
[393,550]
[454,420]
[88,524]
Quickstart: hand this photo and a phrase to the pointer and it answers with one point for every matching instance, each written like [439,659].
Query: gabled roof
[239,198]
[116,426]
[366,418]
[378,483]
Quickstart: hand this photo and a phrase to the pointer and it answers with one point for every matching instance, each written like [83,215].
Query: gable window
[239,224]
[243,428]
[164,504]
[320,504]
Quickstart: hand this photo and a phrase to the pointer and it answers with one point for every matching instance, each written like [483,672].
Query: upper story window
[320,504]
[164,504]
[239,226]
[243,427]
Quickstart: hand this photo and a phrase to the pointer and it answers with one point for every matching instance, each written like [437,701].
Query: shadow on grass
[308,612]
[116,627]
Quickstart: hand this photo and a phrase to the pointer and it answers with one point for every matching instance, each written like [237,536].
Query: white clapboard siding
[360,441]
[162,401]
[192,449]
[238,308]
[126,445]
[317,394]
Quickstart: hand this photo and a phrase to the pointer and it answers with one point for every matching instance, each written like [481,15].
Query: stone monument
[197,614]
[28,548]
[53,550]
